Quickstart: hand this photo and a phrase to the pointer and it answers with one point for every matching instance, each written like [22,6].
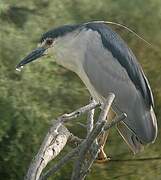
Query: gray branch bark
[85,150]
[78,171]
[50,148]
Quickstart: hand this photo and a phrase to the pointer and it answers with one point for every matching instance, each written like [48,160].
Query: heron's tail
[141,135]
[130,138]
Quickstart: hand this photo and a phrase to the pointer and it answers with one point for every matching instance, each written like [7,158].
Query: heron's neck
[69,53]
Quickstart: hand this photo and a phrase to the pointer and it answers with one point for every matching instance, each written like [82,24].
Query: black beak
[35,54]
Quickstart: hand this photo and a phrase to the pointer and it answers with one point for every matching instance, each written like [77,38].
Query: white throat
[70,51]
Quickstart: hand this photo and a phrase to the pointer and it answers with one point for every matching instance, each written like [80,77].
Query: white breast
[69,51]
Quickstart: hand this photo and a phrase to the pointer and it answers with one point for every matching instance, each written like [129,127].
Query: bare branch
[50,148]
[106,107]
[79,111]
[58,136]
[83,150]
[115,121]
[75,151]
[54,142]
[106,127]
[86,145]
[60,164]
[90,118]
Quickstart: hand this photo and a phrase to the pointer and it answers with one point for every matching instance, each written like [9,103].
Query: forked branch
[85,150]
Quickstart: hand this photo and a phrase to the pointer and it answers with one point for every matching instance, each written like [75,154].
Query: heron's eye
[49,42]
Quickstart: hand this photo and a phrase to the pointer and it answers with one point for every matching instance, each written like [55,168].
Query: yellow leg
[102,157]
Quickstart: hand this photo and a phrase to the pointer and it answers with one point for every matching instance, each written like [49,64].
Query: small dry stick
[90,118]
[78,167]
[60,164]
[106,127]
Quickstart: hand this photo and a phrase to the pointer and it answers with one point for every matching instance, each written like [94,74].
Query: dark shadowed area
[44,90]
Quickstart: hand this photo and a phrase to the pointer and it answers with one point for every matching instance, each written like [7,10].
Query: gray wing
[114,43]
[107,74]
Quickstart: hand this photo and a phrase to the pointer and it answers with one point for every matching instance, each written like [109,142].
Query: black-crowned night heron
[105,64]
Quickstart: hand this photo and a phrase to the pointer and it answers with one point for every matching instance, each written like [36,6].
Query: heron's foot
[102,158]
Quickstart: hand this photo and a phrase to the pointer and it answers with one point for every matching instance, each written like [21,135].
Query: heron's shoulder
[119,49]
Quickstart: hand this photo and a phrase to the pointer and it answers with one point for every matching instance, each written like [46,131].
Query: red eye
[49,42]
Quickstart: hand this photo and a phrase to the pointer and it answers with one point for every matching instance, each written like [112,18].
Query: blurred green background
[44,90]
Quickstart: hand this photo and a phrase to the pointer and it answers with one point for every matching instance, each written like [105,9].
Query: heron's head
[48,42]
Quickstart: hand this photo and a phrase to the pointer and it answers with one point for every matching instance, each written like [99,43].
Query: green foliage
[30,99]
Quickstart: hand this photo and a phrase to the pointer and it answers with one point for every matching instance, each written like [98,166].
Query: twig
[107,126]
[90,118]
[79,111]
[115,121]
[60,164]
[90,126]
[83,150]
[69,116]
[78,167]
